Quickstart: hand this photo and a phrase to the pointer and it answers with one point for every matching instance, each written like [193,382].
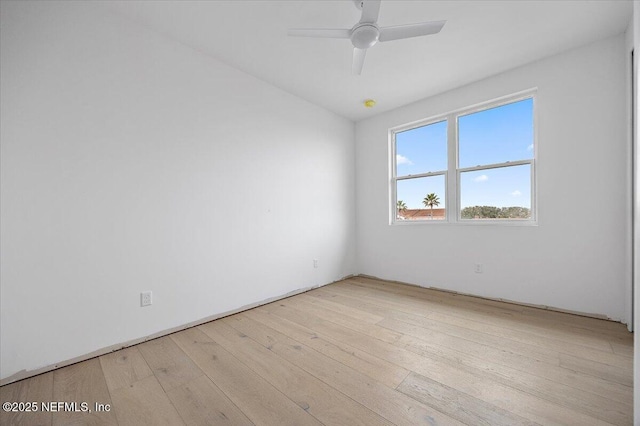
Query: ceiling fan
[366,32]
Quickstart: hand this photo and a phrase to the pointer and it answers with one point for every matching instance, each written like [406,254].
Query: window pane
[496,135]
[502,193]
[411,194]
[422,150]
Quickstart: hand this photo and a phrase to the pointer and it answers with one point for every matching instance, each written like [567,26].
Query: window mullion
[452,160]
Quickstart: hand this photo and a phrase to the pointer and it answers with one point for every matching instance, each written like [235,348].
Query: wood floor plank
[452,304]
[421,305]
[467,409]
[363,327]
[144,402]
[544,348]
[518,356]
[259,401]
[615,374]
[526,331]
[322,327]
[518,314]
[82,382]
[508,398]
[579,322]
[124,367]
[420,312]
[169,363]
[592,325]
[334,295]
[378,369]
[388,403]
[329,306]
[538,331]
[201,403]
[606,408]
[488,356]
[329,406]
[398,292]
[481,350]
[35,389]
[414,310]
[623,349]
[475,305]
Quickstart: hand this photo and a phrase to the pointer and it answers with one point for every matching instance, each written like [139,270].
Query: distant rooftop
[422,214]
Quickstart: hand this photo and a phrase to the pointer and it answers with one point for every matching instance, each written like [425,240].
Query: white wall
[131,163]
[574,259]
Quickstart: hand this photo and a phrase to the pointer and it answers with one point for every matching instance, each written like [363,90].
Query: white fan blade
[358,60]
[370,10]
[320,32]
[411,30]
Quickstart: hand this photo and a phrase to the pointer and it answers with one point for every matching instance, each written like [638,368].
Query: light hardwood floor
[358,352]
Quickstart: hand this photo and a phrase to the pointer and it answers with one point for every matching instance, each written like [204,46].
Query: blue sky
[491,136]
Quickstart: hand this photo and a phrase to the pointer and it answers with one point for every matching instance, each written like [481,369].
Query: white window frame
[453,172]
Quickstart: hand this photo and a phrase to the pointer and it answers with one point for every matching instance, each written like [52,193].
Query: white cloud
[530,147]
[401,159]
[481,178]
[516,193]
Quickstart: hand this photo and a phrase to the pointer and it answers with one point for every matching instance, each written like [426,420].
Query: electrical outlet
[145,298]
[315,263]
[478,268]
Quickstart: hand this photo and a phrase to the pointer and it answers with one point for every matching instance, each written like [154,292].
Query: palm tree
[401,206]
[431,200]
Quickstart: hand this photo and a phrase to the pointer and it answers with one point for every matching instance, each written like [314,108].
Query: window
[421,164]
[474,165]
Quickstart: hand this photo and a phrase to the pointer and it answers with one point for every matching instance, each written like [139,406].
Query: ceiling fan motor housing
[364,35]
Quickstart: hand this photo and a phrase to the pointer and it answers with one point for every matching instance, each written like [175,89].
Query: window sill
[465,223]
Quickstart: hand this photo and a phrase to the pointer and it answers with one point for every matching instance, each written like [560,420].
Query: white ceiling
[481,38]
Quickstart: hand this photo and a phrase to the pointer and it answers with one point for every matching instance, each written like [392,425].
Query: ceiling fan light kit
[366,33]
[364,36]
